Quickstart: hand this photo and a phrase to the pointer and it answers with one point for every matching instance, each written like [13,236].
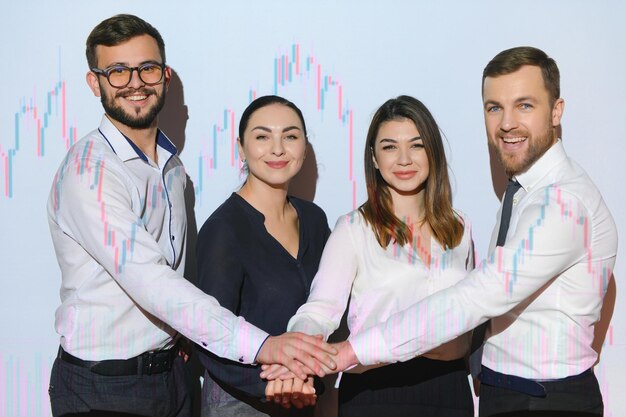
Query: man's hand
[345,357]
[299,353]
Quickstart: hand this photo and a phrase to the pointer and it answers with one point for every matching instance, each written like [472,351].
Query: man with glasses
[117,217]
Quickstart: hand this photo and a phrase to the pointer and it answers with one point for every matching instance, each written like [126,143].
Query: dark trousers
[419,387]
[575,397]
[75,390]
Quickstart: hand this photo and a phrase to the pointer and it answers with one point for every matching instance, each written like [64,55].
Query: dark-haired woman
[259,251]
[404,243]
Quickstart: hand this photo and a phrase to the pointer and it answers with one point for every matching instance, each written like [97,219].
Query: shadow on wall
[173,121]
[173,118]
[498,177]
[304,184]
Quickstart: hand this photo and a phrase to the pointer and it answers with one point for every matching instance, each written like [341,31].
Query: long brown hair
[378,209]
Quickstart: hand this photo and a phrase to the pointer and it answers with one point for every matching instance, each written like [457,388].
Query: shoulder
[566,187]
[575,182]
[305,206]
[463,219]
[227,216]
[92,146]
[352,222]
[466,242]
[311,211]
[91,164]
[92,151]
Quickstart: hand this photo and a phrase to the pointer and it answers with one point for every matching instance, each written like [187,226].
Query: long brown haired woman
[404,243]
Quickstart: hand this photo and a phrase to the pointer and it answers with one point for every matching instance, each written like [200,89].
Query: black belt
[534,388]
[147,363]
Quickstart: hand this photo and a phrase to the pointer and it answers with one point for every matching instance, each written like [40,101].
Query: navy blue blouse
[250,273]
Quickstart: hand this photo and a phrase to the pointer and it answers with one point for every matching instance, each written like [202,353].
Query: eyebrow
[491,102]
[526,98]
[517,100]
[416,138]
[267,129]
[126,64]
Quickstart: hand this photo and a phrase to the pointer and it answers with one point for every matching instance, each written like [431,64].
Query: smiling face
[136,105]
[520,117]
[400,157]
[274,145]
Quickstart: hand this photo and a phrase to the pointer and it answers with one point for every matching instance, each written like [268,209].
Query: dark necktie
[507,207]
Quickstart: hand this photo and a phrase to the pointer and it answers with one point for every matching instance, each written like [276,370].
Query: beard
[117,113]
[517,164]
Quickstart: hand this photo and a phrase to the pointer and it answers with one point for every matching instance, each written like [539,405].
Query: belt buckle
[148,363]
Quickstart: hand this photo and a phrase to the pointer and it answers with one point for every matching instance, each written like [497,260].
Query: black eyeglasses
[119,76]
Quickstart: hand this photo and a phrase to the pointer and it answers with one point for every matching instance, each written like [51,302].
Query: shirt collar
[553,156]
[125,148]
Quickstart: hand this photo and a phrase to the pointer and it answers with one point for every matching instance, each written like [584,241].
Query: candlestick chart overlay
[338,62]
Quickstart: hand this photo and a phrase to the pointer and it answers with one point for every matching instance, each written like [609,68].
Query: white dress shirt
[544,286]
[379,282]
[118,225]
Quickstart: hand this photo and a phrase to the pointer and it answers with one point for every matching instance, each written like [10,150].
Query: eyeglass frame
[106,72]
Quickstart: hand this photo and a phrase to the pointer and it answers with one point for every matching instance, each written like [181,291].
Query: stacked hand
[291,392]
[298,354]
[343,358]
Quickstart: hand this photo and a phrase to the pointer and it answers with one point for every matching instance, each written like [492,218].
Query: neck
[144,139]
[408,207]
[269,200]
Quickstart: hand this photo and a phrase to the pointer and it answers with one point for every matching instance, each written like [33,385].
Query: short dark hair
[510,60]
[266,101]
[378,209]
[119,29]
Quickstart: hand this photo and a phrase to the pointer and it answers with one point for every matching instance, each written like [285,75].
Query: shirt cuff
[306,326]
[370,348]
[249,341]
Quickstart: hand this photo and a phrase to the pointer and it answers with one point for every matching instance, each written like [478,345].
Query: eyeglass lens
[120,76]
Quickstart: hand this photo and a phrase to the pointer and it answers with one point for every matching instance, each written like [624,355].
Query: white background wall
[433,50]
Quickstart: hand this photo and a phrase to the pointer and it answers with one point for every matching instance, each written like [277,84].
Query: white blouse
[379,282]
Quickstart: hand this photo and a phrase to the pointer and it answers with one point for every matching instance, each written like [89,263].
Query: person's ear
[167,73]
[557,112]
[93,83]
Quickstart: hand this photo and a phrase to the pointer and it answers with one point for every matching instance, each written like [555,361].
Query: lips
[135,96]
[276,164]
[513,140]
[405,175]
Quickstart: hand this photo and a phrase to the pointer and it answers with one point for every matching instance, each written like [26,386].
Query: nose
[404,158]
[278,148]
[135,81]
[508,121]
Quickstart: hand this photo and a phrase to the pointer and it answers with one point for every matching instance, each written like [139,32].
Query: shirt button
[241,359]
[173,237]
[204,344]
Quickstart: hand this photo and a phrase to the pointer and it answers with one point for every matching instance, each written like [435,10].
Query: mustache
[517,132]
[132,91]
